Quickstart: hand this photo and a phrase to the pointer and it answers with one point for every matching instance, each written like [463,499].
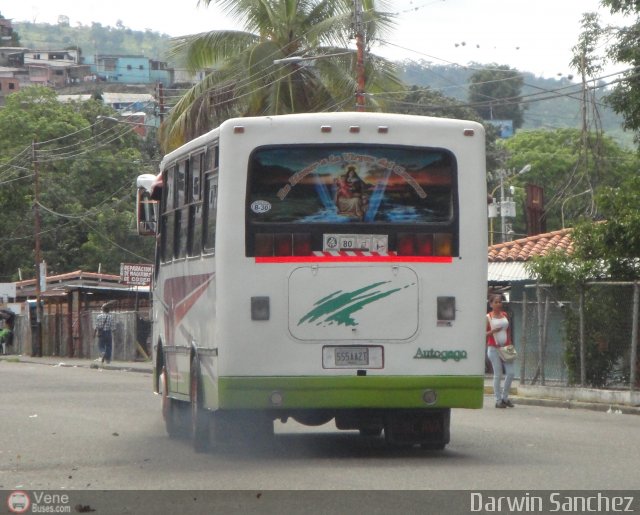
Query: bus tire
[199,416]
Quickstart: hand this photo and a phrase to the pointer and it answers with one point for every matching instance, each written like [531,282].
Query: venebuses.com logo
[18,501]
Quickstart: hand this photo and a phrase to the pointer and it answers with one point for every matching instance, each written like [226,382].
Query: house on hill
[130,69]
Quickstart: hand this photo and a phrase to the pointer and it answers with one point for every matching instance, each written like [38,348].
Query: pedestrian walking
[104,330]
[499,335]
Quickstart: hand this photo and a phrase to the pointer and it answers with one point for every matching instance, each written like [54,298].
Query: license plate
[352,357]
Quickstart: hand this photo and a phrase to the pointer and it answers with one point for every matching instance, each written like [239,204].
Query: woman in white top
[499,335]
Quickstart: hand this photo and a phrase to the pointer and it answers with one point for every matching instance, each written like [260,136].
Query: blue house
[130,69]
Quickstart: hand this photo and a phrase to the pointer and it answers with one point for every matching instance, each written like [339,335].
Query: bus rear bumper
[349,392]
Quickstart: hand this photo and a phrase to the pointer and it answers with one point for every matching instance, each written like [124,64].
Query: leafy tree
[495,92]
[243,79]
[609,250]
[86,174]
[625,98]
[14,38]
[428,102]
[570,179]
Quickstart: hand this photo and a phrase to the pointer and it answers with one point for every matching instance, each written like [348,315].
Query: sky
[536,37]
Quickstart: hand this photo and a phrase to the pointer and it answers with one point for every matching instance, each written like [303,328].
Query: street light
[359,70]
[295,59]
[506,206]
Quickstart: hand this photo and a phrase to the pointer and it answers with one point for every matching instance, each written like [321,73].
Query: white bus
[317,267]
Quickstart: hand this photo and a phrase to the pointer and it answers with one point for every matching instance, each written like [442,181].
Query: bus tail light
[283,245]
[263,244]
[406,244]
[443,244]
[424,245]
[302,244]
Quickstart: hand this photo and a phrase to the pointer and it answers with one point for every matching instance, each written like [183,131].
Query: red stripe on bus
[354,259]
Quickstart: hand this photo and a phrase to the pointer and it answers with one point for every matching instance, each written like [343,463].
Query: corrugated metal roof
[512,271]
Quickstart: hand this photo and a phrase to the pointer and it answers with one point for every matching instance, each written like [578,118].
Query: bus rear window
[347,184]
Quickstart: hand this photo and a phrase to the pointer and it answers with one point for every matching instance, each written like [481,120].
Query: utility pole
[36,229]
[359,29]
[161,101]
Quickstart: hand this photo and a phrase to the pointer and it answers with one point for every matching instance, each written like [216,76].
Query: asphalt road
[88,429]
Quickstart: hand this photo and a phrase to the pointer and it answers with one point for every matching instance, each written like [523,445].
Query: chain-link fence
[62,337]
[584,336]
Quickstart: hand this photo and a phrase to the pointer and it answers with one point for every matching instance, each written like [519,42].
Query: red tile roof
[526,248]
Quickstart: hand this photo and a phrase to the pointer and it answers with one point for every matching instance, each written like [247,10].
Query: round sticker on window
[260,206]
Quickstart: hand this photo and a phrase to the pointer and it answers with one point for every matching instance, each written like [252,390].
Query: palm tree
[243,79]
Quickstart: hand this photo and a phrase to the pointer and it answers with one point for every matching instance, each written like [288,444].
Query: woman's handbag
[507,353]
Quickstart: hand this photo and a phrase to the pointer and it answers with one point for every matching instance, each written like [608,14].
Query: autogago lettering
[556,503]
[443,355]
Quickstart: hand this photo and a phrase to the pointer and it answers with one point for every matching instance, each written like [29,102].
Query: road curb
[144,368]
[616,409]
[520,397]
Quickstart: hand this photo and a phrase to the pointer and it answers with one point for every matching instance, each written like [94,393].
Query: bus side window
[169,190]
[182,209]
[181,171]
[166,217]
[210,159]
[210,207]
[195,229]
[194,243]
[168,236]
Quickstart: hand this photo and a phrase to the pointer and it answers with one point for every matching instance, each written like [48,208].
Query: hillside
[551,104]
[94,39]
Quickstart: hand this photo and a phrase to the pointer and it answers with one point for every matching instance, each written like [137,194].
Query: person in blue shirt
[104,330]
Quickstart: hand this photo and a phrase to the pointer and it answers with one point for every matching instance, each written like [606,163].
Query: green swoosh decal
[339,306]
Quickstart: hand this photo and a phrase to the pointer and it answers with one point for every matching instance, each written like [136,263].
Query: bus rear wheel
[199,416]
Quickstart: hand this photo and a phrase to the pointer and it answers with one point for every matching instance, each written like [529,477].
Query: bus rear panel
[347,279]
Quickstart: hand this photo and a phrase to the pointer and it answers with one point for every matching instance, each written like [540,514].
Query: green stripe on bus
[350,392]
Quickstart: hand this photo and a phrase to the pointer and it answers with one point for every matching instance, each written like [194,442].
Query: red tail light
[301,244]
[424,244]
[263,244]
[283,245]
[406,244]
